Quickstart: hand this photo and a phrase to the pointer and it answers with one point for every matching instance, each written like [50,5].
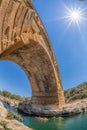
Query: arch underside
[38,67]
[24,40]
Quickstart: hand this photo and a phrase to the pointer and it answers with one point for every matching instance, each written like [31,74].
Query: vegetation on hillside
[14,96]
[10,95]
[11,115]
[75,93]
[4,126]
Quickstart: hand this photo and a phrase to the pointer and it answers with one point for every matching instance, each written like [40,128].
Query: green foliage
[6,93]
[9,95]
[4,125]
[78,92]
[11,115]
[75,93]
[57,118]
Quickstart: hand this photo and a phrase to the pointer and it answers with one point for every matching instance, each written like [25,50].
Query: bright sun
[74,15]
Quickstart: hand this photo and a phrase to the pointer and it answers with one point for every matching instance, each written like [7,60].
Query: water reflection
[78,122]
[43,125]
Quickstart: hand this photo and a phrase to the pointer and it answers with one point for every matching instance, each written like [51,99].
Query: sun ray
[70,23]
[82,37]
[74,15]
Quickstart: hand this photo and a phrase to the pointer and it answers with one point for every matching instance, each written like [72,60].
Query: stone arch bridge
[24,41]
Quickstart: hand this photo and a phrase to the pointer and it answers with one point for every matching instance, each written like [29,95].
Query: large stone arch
[24,40]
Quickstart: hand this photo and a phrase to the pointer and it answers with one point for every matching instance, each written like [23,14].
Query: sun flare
[74,15]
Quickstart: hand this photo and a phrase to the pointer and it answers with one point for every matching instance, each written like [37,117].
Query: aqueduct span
[24,41]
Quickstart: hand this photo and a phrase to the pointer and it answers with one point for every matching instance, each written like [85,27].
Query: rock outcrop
[67,110]
[3,111]
[12,124]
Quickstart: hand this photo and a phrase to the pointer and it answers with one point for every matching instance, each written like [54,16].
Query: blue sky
[69,45]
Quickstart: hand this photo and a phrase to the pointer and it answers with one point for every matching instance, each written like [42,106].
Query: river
[78,122]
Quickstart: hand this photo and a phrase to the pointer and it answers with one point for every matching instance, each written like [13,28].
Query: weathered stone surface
[3,111]
[24,41]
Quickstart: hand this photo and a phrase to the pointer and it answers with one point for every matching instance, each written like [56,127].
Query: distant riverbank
[12,99]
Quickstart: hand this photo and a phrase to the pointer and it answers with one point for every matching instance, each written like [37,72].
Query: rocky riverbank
[11,102]
[9,124]
[69,109]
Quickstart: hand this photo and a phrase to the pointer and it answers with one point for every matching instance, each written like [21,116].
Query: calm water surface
[78,122]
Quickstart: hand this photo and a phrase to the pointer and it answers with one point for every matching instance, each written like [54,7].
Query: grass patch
[12,115]
[4,125]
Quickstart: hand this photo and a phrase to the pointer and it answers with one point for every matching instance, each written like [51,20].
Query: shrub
[4,125]
[12,115]
[10,95]
[75,93]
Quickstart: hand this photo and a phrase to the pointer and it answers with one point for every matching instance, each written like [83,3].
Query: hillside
[10,95]
[12,99]
[75,93]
